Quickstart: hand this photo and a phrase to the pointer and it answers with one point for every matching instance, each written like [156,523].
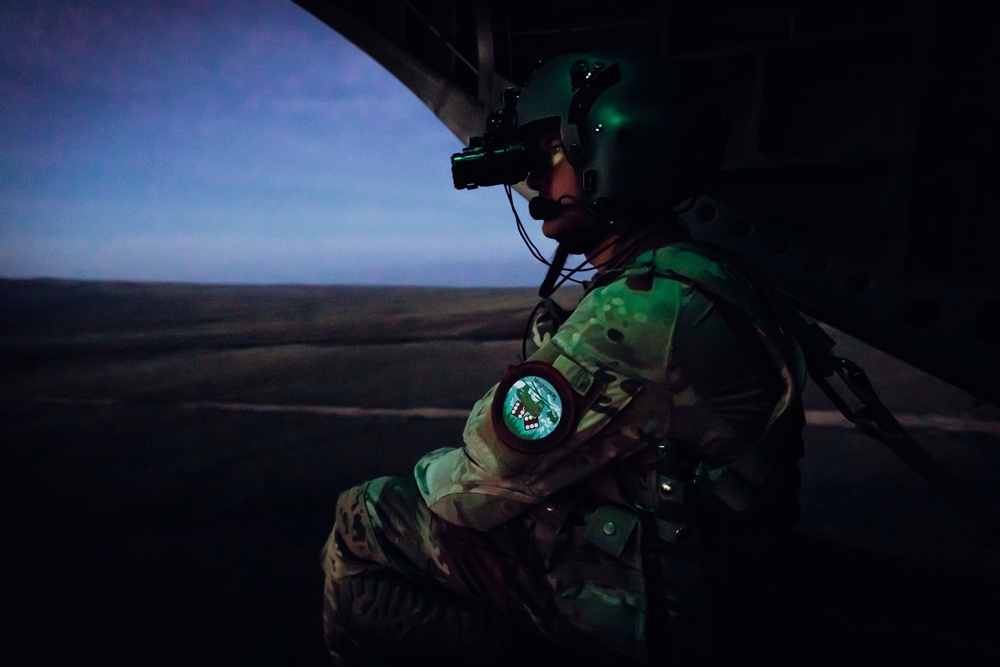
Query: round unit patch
[534,407]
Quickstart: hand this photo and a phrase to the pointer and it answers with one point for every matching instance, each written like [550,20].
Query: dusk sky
[229,141]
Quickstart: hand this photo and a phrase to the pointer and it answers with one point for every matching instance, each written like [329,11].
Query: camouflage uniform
[618,532]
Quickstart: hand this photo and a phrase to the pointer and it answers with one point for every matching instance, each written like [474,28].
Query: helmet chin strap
[542,208]
[556,265]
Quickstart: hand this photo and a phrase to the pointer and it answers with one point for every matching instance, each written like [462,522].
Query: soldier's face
[575,227]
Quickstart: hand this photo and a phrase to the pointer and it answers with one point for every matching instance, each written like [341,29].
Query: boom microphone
[541,208]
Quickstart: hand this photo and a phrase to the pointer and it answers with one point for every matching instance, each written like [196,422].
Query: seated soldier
[623,494]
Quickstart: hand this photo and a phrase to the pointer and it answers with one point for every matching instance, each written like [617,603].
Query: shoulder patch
[534,408]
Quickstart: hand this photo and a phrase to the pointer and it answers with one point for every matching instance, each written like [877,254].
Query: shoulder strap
[734,484]
[873,418]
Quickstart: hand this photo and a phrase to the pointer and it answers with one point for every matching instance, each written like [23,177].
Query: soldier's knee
[391,491]
[353,545]
[388,615]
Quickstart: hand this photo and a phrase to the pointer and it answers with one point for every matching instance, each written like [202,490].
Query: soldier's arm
[606,367]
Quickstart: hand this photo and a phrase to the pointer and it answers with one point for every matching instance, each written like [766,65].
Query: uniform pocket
[609,528]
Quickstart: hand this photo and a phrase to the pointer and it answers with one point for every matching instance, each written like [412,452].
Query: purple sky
[229,141]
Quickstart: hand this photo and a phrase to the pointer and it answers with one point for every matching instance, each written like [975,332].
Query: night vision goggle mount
[506,155]
[497,157]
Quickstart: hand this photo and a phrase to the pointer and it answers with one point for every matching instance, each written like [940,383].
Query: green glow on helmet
[532,408]
[646,139]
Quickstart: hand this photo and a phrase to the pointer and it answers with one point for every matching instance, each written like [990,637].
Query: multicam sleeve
[615,344]
[470,491]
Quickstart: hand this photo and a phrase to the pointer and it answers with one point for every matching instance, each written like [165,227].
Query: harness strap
[875,420]
[736,483]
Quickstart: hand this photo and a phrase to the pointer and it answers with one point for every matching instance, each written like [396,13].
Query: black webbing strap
[736,483]
[873,418]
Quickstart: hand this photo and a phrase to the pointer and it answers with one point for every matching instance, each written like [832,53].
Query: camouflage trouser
[384,523]
[384,526]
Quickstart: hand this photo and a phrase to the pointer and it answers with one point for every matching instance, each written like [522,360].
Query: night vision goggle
[506,152]
[501,156]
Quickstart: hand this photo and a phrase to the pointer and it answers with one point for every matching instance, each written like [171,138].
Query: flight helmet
[641,135]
